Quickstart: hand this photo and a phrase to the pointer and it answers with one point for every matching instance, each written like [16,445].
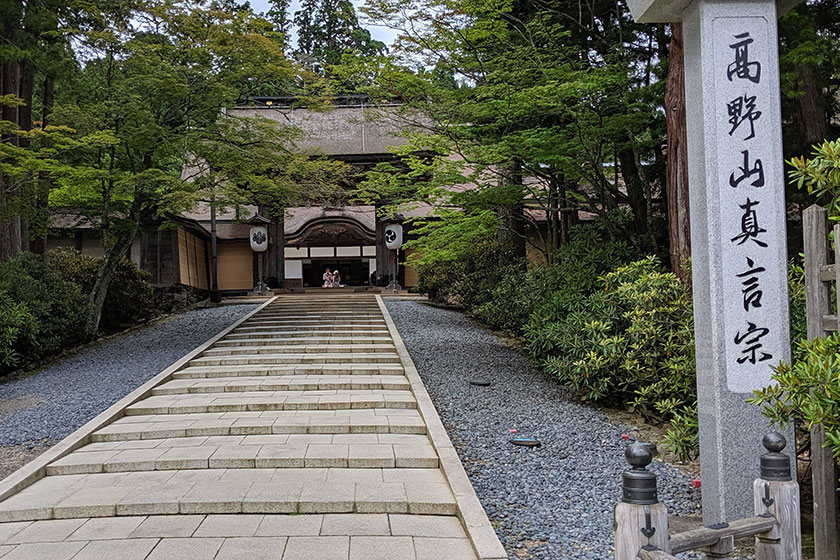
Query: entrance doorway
[354,272]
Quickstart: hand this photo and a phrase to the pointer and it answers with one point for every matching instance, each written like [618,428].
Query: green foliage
[40,311]
[796,298]
[527,300]
[580,265]
[470,279]
[807,391]
[683,438]
[518,295]
[820,175]
[631,341]
[130,297]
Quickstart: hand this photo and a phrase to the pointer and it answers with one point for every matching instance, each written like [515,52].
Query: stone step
[188,492]
[280,324]
[245,439]
[354,421]
[315,319]
[313,328]
[292,313]
[285,382]
[309,358]
[143,429]
[288,455]
[320,319]
[192,372]
[247,536]
[308,333]
[304,340]
[299,349]
[271,400]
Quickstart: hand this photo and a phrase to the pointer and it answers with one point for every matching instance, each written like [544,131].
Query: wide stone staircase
[295,436]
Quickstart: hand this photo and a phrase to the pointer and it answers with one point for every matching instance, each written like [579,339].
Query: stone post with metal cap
[640,519]
[776,494]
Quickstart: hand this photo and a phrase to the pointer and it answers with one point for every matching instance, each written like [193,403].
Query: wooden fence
[822,317]
[641,520]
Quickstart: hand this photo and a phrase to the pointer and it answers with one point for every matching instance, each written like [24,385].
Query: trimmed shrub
[130,296]
[469,280]
[535,296]
[631,341]
[40,311]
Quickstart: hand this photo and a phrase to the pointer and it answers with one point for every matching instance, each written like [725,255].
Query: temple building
[301,246]
[350,239]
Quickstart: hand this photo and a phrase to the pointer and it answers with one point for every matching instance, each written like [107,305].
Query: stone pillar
[739,254]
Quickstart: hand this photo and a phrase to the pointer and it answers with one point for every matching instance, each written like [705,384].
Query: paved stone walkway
[303,432]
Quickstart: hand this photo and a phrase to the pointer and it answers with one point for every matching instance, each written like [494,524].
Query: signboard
[751,204]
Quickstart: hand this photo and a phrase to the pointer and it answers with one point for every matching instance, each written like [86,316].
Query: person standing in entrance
[328,278]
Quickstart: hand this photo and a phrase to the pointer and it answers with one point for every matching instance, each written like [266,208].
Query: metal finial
[638,485]
[638,455]
[775,465]
[774,441]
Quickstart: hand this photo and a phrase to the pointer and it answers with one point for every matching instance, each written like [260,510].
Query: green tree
[146,98]
[329,29]
[542,108]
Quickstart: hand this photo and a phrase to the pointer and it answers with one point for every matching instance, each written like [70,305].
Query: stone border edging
[470,511]
[36,469]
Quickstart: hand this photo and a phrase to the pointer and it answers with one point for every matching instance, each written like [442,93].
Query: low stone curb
[481,534]
[36,469]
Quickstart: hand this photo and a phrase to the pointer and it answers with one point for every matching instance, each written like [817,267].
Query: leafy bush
[470,279]
[552,290]
[683,437]
[516,296]
[796,297]
[40,311]
[807,391]
[629,342]
[130,296]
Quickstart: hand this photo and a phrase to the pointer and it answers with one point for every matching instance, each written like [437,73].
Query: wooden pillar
[776,494]
[275,259]
[640,519]
[823,472]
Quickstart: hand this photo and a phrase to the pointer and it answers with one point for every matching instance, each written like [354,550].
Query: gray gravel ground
[553,502]
[57,400]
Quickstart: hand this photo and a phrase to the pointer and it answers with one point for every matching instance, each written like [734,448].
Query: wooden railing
[822,319]
[641,520]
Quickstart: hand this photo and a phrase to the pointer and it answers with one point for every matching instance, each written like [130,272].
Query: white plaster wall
[294,269]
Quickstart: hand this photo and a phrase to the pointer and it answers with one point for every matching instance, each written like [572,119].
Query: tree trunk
[10,237]
[813,124]
[512,233]
[112,259]
[634,184]
[676,168]
[38,238]
[27,87]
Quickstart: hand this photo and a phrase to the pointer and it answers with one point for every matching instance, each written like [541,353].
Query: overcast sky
[383,34]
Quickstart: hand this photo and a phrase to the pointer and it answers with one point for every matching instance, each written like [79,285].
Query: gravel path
[49,405]
[547,503]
